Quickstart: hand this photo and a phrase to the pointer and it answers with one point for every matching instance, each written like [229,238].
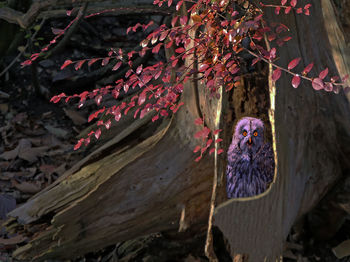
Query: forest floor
[37,140]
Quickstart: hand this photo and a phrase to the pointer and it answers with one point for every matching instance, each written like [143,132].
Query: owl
[251,164]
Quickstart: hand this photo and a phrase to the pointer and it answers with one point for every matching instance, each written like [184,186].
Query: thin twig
[24,49]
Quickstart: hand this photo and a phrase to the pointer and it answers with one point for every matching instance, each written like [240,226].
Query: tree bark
[311,133]
[121,191]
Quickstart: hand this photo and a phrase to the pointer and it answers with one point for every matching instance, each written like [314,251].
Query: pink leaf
[139,69]
[317,84]
[180,50]
[78,145]
[323,74]
[294,63]
[203,67]
[66,63]
[198,158]
[212,150]
[79,64]
[117,65]
[276,74]
[293,3]
[296,81]
[105,61]
[91,61]
[196,149]
[178,5]
[283,2]
[155,49]
[220,151]
[308,69]
[98,133]
[142,98]
[198,121]
[155,118]
[57,31]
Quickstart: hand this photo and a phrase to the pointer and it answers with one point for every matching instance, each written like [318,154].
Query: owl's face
[249,135]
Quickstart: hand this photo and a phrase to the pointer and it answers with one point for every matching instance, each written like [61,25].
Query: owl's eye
[245,133]
[255,133]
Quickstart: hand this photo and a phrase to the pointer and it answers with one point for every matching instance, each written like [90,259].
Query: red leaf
[317,84]
[66,63]
[296,81]
[218,140]
[169,44]
[98,133]
[142,98]
[178,5]
[57,31]
[91,61]
[174,20]
[323,74]
[203,67]
[139,69]
[217,131]
[212,150]
[170,2]
[105,61]
[299,10]
[276,74]
[220,151]
[306,11]
[273,53]
[294,63]
[173,64]
[183,20]
[155,49]
[78,145]
[277,10]
[79,64]
[199,134]
[287,10]
[155,118]
[198,121]
[308,69]
[180,50]
[293,3]
[198,158]
[283,2]
[197,148]
[117,65]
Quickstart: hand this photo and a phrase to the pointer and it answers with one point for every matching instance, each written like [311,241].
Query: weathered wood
[119,193]
[311,132]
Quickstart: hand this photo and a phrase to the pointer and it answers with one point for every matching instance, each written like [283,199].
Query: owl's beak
[249,141]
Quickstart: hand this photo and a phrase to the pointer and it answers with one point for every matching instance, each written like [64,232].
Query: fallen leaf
[31,154]
[26,187]
[47,169]
[12,154]
[77,117]
[13,240]
[342,250]
[59,132]
[7,204]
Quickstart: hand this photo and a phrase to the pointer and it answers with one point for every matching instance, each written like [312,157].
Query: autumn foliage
[227,32]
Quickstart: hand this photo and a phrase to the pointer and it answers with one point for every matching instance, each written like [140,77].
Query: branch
[35,10]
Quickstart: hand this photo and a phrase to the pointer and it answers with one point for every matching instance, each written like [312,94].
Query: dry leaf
[342,250]
[77,118]
[7,204]
[59,132]
[26,187]
[13,240]
[12,154]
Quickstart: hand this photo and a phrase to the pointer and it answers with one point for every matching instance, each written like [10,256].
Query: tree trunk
[311,133]
[121,191]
